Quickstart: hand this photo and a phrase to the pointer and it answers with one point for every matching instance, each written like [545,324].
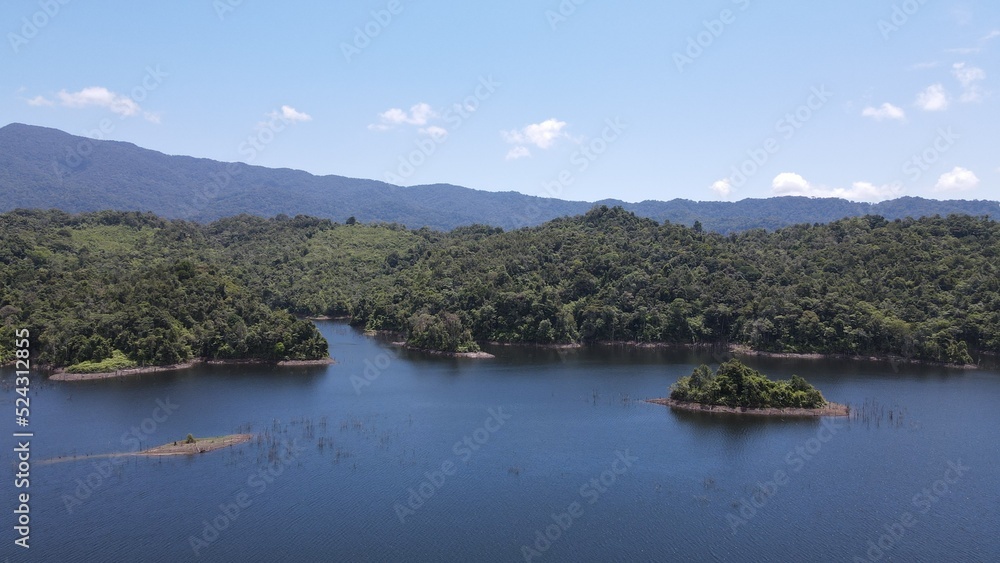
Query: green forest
[159,291]
[109,290]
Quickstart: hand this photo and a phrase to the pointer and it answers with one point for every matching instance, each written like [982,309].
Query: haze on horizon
[572,99]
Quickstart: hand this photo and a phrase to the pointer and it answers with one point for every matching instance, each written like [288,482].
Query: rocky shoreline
[747,351]
[744,350]
[831,409]
[740,349]
[60,374]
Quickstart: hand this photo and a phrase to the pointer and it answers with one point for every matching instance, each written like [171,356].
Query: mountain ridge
[42,167]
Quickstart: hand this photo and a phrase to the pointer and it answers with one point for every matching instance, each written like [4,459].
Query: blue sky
[577,99]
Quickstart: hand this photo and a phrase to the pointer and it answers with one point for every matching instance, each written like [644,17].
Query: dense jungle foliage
[926,289]
[736,385]
[109,290]
[161,290]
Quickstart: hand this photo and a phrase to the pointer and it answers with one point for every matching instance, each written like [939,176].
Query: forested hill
[927,289]
[159,290]
[111,290]
[47,168]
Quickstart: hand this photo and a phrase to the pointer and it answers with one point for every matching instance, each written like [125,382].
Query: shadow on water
[710,424]
[304,375]
[610,354]
[260,373]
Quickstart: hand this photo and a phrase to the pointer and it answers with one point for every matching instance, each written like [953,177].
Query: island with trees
[738,389]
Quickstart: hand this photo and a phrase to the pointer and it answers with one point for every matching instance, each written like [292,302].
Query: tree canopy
[163,290]
[113,289]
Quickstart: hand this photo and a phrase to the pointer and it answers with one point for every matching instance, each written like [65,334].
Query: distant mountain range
[47,168]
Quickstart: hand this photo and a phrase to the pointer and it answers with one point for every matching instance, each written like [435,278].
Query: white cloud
[393,116]
[933,98]
[722,187]
[789,183]
[958,180]
[991,35]
[437,133]
[885,111]
[40,101]
[420,114]
[290,114]
[969,77]
[100,97]
[97,96]
[286,114]
[517,152]
[543,135]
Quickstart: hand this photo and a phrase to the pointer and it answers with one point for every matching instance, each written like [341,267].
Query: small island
[188,446]
[192,445]
[738,389]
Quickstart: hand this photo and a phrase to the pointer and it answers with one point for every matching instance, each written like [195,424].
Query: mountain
[47,168]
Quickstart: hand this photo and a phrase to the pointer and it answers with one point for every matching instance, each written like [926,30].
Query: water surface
[559,442]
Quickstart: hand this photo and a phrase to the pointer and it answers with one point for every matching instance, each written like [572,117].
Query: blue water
[559,442]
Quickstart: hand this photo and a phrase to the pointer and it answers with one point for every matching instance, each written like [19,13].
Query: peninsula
[64,374]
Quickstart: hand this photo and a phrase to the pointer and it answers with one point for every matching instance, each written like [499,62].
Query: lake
[538,454]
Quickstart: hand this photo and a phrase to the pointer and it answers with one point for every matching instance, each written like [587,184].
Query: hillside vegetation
[160,290]
[926,289]
[111,290]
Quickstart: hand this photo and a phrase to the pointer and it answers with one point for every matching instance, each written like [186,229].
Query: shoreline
[472,355]
[60,374]
[742,349]
[564,346]
[327,318]
[280,363]
[831,409]
[747,351]
[736,349]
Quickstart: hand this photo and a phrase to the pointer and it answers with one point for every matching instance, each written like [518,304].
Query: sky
[576,99]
